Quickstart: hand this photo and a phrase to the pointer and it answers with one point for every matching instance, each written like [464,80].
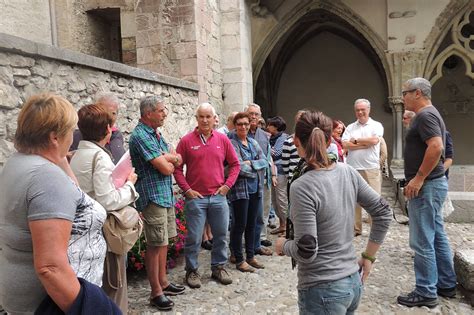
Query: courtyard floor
[273,290]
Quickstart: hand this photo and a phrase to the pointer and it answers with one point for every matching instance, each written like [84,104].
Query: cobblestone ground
[273,289]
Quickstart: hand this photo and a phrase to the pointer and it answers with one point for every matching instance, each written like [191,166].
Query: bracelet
[372,259]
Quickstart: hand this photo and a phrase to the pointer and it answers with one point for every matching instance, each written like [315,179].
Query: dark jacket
[91,300]
[115,145]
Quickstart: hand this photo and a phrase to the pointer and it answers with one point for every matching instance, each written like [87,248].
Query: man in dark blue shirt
[426,190]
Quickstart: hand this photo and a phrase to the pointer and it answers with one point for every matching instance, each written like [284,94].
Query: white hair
[107,97]
[252,105]
[362,100]
[206,106]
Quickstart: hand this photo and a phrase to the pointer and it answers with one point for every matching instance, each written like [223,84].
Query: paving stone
[273,290]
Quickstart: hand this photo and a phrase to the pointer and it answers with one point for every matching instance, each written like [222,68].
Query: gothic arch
[450,38]
[335,7]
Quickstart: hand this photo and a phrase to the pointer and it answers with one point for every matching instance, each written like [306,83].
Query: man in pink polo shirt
[204,152]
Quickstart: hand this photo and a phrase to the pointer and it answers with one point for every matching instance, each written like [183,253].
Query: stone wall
[27,68]
[27,19]
[182,39]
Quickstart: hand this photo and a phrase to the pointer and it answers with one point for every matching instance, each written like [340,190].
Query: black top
[449,151]
[426,124]
[115,145]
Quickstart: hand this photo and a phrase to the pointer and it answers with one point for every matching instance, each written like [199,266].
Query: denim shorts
[160,224]
[334,297]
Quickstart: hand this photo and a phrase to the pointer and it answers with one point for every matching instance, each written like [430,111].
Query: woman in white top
[92,164]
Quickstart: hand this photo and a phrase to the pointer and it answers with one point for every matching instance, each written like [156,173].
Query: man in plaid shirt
[154,165]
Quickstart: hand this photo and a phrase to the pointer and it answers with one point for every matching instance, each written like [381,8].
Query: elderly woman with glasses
[246,194]
[51,231]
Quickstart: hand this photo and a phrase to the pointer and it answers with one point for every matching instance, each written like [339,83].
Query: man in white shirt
[362,141]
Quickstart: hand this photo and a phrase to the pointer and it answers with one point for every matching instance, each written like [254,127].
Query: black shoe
[206,245]
[414,299]
[447,293]
[162,303]
[174,289]
[266,243]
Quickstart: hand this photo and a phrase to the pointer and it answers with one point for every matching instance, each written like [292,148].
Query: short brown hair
[93,122]
[39,116]
[240,116]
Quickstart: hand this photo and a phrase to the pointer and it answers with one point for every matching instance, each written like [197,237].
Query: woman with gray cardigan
[322,203]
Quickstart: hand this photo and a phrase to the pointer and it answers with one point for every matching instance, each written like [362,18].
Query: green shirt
[145,145]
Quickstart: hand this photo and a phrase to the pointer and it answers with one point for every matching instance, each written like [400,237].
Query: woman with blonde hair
[92,164]
[49,227]
[322,206]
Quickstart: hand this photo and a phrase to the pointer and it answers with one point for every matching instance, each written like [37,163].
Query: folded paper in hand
[122,170]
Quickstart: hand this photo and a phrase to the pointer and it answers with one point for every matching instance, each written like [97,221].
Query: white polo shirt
[364,159]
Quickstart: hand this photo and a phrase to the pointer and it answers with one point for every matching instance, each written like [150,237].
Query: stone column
[236,54]
[396,103]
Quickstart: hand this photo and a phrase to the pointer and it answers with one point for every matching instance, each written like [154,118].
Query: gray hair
[206,106]
[107,97]
[420,84]
[362,100]
[149,104]
[409,114]
[231,116]
[252,105]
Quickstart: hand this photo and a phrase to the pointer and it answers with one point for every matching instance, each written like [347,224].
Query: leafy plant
[136,256]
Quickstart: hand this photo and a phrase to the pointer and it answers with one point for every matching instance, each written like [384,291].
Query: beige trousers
[114,281]
[374,179]
[280,199]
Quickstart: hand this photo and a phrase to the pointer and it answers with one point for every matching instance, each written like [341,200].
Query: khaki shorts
[160,224]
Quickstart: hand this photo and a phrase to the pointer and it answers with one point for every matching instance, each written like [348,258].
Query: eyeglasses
[407,91]
[242,124]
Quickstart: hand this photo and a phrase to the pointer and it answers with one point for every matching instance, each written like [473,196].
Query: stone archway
[450,68]
[323,62]
[336,8]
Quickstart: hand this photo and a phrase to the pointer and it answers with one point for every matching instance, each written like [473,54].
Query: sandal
[278,231]
[254,263]
[265,251]
[244,267]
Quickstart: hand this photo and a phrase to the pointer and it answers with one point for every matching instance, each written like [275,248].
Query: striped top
[289,157]
[276,143]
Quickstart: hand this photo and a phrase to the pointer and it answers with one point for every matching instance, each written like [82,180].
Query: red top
[205,163]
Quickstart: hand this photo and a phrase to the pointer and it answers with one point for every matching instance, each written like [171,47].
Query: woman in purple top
[338,129]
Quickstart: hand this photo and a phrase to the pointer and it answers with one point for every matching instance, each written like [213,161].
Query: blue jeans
[335,297]
[260,224]
[433,257]
[216,211]
[245,219]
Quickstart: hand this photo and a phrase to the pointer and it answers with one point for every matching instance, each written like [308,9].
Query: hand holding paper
[123,170]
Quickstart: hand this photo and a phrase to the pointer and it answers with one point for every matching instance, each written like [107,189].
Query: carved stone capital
[396,103]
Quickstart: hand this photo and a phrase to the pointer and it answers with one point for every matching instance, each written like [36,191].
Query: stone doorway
[323,63]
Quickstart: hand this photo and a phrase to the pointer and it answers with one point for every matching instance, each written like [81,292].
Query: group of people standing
[314,179]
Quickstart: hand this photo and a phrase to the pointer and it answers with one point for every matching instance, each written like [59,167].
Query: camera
[402,182]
